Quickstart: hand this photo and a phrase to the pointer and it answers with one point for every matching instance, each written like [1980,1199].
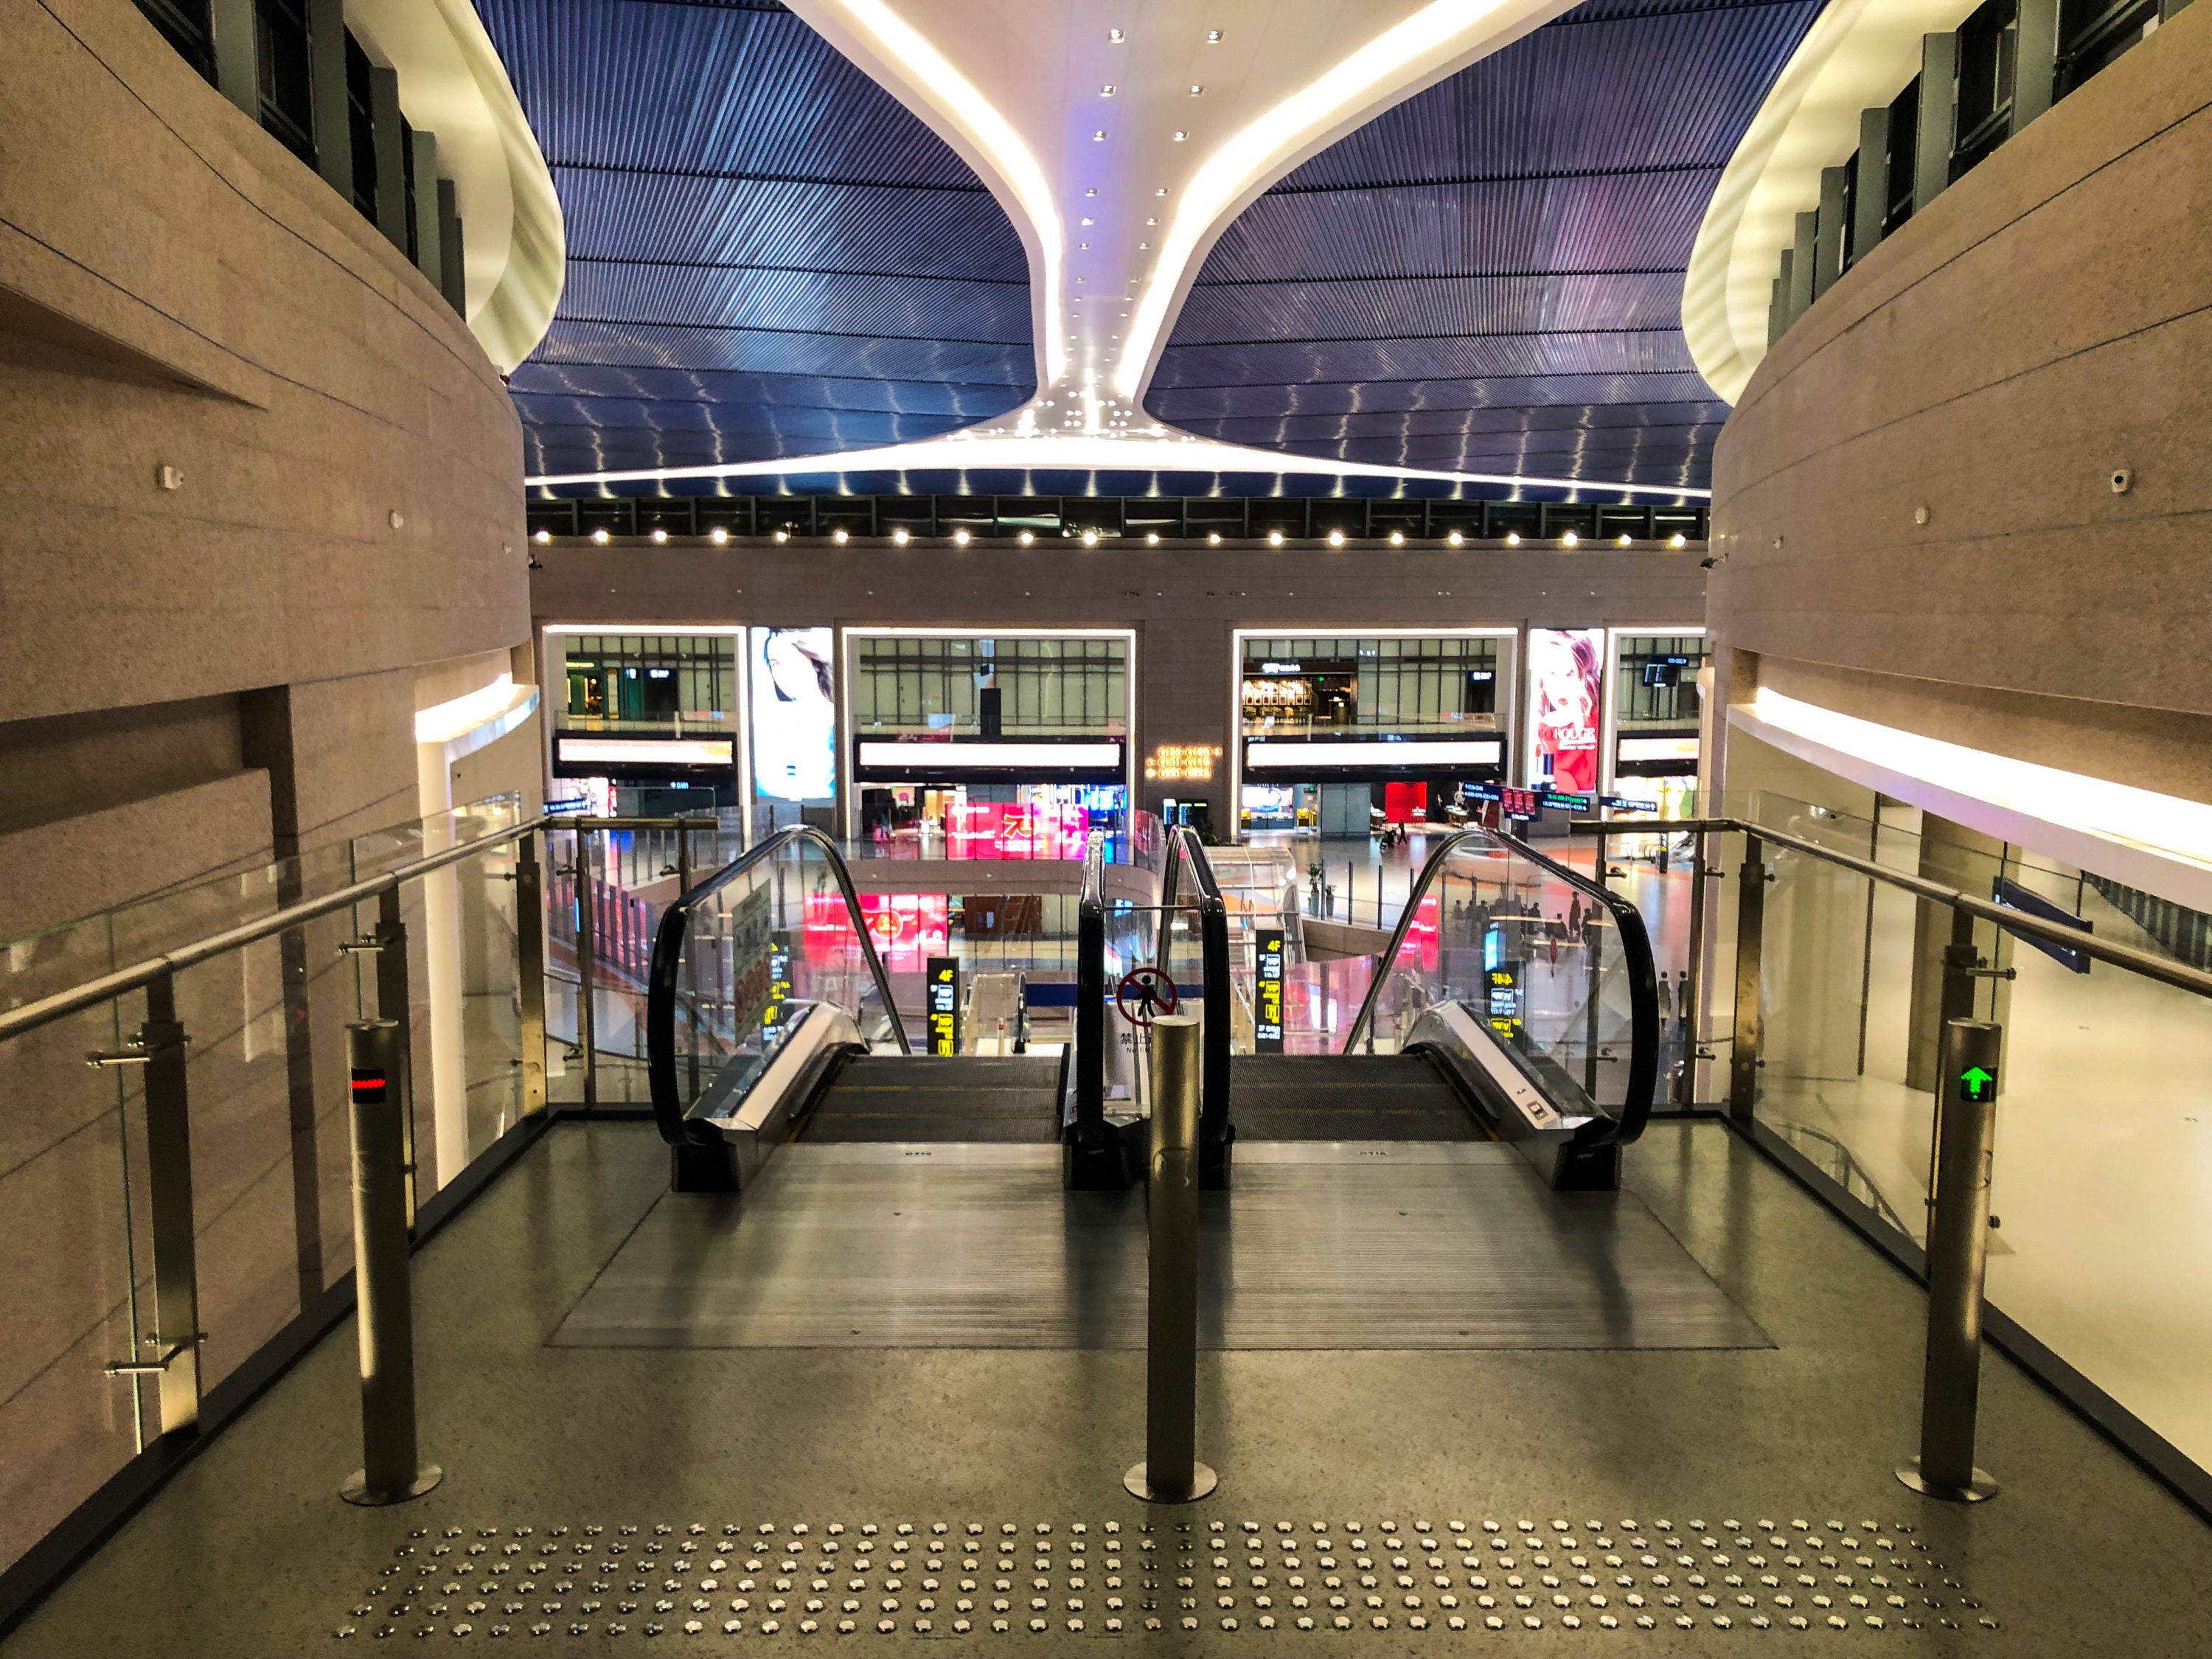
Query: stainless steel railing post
[1171,1472]
[1750,1030]
[530,971]
[587,971]
[395,1001]
[1690,1018]
[390,1472]
[1957,1253]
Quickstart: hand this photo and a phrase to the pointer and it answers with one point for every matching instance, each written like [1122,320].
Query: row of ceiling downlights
[718,536]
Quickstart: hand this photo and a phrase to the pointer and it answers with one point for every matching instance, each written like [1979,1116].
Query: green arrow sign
[1977,1084]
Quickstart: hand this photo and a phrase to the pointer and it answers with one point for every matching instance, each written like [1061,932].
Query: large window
[2092,32]
[986,686]
[1296,686]
[1988,52]
[1655,682]
[287,75]
[648,682]
[184,25]
[1904,154]
[361,125]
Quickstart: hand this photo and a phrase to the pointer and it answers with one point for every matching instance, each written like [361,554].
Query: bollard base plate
[355,1490]
[1203,1481]
[1982,1487]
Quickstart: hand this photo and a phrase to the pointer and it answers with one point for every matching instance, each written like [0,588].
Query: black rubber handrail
[1185,851]
[1636,947]
[668,940]
[1089,1127]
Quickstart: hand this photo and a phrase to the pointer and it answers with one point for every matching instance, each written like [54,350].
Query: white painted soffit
[1859,55]
[2160,844]
[452,84]
[1154,448]
[1117,225]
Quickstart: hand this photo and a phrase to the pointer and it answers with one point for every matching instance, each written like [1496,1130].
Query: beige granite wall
[1914,501]
[198,676]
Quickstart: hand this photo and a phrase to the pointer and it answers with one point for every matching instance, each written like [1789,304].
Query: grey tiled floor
[250,1553]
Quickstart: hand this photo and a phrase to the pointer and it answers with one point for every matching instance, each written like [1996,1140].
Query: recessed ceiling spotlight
[1397,539]
[1142,244]
[1513,539]
[718,535]
[1162,190]
[1152,221]
[1181,135]
[1195,91]
[960,538]
[660,536]
[1115,37]
[1085,245]
[1151,539]
[1678,540]
[1453,539]
[1090,538]
[783,535]
[1213,538]
[1087,221]
[1621,541]
[839,536]
[1026,538]
[1336,538]
[1090,192]
[541,537]
[900,536]
[1570,540]
[1099,136]
[1106,91]
[1213,37]
[1275,539]
[600,535]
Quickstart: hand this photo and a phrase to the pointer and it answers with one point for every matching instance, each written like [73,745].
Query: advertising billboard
[1566,683]
[794,714]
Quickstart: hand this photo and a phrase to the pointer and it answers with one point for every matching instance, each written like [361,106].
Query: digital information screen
[942,977]
[794,714]
[1503,975]
[775,1010]
[1268,991]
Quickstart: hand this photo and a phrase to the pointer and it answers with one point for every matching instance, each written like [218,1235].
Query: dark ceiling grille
[1488,277]
[769,255]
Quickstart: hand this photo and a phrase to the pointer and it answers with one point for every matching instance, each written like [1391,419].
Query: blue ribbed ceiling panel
[1488,276]
[769,255]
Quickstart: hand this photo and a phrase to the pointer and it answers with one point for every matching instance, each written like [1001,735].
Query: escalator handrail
[668,940]
[1089,1044]
[1636,948]
[1186,851]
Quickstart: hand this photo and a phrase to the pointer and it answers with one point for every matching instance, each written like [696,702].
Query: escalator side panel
[1510,1091]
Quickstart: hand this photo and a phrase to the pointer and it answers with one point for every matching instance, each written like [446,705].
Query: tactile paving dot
[1729,1575]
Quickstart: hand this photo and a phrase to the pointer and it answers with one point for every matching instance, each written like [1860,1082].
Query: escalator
[770,1022]
[999,1099]
[1348,1097]
[1516,1002]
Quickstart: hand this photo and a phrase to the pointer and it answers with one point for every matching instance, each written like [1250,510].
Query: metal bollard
[1171,1472]
[1958,1251]
[390,1472]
